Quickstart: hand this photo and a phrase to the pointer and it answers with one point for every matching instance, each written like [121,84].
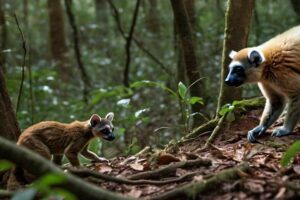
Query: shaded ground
[266,179]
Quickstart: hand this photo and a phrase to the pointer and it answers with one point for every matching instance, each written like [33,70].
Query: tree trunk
[8,122]
[102,14]
[237,24]
[296,8]
[152,17]
[3,35]
[187,42]
[58,39]
[84,76]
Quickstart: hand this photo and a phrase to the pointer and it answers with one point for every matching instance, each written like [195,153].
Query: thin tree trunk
[3,36]
[25,12]
[84,75]
[296,8]
[126,79]
[152,17]
[189,53]
[58,39]
[237,25]
[9,127]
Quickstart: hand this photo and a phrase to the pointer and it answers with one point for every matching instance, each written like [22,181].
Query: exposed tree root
[192,190]
[39,166]
[99,177]
[170,169]
[208,126]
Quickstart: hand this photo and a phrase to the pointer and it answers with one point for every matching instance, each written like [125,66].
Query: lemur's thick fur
[275,65]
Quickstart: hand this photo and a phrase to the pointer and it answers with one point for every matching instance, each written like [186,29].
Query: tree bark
[237,25]
[39,166]
[84,76]
[152,17]
[3,35]
[296,8]
[126,79]
[9,127]
[189,53]
[58,39]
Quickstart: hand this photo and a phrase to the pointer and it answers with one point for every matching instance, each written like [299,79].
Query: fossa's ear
[94,120]
[110,116]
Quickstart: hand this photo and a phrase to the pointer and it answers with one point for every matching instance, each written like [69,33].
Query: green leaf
[226,109]
[124,103]
[289,155]
[182,89]
[62,193]
[49,180]
[194,100]
[27,194]
[138,113]
[153,84]
[230,117]
[5,165]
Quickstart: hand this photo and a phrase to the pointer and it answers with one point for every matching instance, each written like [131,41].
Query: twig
[84,75]
[170,169]
[208,126]
[136,41]
[88,173]
[192,190]
[215,132]
[23,63]
[30,88]
[128,43]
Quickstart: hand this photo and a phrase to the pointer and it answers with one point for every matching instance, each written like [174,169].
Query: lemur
[275,66]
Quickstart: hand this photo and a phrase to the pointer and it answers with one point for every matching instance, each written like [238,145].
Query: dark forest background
[96,56]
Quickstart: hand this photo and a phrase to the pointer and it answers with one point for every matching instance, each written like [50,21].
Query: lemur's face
[245,67]
[103,127]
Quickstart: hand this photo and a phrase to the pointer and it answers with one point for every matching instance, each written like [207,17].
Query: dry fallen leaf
[280,193]
[296,169]
[103,168]
[135,193]
[136,166]
[167,158]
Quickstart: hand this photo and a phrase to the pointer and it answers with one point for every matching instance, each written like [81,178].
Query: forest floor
[266,179]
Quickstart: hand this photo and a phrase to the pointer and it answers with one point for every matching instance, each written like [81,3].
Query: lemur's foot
[281,131]
[257,131]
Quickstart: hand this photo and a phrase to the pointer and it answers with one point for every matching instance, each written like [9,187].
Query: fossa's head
[102,127]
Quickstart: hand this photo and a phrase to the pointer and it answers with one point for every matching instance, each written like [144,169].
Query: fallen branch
[215,133]
[208,126]
[193,190]
[170,169]
[39,166]
[84,173]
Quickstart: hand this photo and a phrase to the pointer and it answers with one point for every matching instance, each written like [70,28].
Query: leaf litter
[266,179]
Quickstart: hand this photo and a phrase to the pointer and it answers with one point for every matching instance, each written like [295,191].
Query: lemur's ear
[94,120]
[232,54]
[256,57]
[110,116]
